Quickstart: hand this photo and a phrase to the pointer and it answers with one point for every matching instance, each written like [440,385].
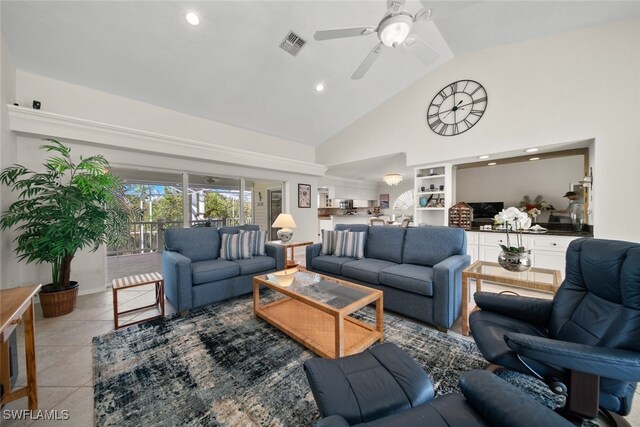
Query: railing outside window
[148,236]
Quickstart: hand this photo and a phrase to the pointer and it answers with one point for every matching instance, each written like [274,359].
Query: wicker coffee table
[314,310]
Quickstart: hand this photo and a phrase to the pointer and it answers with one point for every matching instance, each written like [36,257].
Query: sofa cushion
[328,242]
[197,244]
[430,245]
[409,277]
[235,246]
[352,227]
[257,239]
[213,270]
[256,264]
[330,264]
[350,244]
[235,229]
[367,270]
[385,243]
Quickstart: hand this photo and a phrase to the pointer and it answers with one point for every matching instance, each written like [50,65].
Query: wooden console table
[16,305]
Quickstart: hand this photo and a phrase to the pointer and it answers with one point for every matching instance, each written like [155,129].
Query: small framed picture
[384,201]
[304,195]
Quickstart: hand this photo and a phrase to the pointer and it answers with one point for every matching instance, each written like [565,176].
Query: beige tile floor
[64,359]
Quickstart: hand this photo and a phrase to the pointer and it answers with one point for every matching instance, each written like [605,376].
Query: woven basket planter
[58,303]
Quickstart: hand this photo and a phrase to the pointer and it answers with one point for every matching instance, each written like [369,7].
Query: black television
[485,210]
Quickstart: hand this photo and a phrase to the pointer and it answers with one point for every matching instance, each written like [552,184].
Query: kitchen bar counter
[547,233]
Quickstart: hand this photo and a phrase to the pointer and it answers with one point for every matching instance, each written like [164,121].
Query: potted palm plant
[67,207]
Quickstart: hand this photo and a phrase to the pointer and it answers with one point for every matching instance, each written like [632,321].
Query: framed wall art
[304,195]
[384,201]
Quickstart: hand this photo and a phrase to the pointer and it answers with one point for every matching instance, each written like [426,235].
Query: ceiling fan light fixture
[192,18]
[394,29]
[392,178]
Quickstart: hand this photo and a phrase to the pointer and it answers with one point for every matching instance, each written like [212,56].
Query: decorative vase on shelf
[515,261]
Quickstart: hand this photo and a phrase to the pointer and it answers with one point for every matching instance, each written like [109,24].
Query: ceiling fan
[394,30]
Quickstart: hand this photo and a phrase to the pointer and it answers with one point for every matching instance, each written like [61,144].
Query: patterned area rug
[221,366]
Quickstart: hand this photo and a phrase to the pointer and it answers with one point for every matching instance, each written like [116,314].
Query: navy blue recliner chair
[384,386]
[585,343]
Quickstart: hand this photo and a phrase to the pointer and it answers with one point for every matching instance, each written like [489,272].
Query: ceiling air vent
[292,43]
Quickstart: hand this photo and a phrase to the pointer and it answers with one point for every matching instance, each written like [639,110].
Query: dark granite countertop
[553,229]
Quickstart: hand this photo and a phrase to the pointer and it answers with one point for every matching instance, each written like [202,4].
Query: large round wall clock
[457,108]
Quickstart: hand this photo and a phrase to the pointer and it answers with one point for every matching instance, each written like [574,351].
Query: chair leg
[582,396]
[494,369]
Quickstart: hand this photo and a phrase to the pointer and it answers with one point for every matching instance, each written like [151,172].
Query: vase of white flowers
[513,257]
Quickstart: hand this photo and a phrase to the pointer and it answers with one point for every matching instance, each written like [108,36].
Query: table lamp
[285,222]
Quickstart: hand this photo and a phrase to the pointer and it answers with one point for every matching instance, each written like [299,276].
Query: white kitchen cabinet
[546,251]
[549,251]
[472,245]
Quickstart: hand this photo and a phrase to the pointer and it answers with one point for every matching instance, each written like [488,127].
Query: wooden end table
[132,282]
[316,314]
[16,305]
[290,262]
[537,279]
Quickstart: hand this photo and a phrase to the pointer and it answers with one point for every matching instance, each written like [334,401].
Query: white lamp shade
[284,221]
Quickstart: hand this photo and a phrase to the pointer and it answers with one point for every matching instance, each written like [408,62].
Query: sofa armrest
[447,289]
[503,405]
[311,252]
[275,251]
[532,310]
[622,365]
[333,421]
[176,271]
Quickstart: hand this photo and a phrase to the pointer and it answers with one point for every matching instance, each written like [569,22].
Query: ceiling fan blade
[421,49]
[422,15]
[394,5]
[368,62]
[343,32]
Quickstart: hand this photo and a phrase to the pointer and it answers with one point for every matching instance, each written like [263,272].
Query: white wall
[571,87]
[349,188]
[510,182]
[76,101]
[82,102]
[8,156]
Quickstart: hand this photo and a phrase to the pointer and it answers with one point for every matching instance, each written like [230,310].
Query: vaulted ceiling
[230,68]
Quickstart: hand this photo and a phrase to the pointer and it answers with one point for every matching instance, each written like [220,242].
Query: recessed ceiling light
[319,87]
[192,18]
[484,157]
[491,164]
[531,150]
[535,158]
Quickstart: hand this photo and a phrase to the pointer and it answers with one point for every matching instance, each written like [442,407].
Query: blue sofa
[418,269]
[193,274]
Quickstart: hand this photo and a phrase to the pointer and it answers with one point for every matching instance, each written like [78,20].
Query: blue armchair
[195,276]
[586,342]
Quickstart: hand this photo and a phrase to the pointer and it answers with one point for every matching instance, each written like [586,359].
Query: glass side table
[538,279]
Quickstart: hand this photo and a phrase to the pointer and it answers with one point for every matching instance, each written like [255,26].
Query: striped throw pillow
[235,246]
[350,244]
[328,242]
[257,239]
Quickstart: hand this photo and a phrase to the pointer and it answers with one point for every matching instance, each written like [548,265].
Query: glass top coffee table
[314,310]
[538,279]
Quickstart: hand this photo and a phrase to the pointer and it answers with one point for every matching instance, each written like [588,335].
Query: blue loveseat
[195,276]
[418,269]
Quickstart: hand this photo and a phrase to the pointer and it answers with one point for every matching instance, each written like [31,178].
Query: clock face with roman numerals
[457,107]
